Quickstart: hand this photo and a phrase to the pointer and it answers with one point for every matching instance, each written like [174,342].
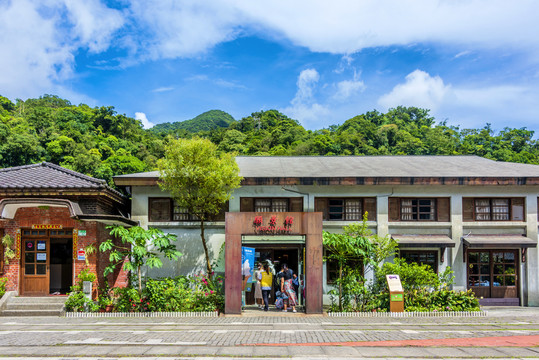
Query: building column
[455,259]
[382,216]
[530,275]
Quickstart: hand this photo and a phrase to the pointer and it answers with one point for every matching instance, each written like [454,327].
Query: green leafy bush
[128,299]
[78,302]
[3,282]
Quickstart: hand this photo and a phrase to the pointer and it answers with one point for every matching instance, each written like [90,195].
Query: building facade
[54,214]
[475,215]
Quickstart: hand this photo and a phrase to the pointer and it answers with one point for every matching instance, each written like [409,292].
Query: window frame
[491,209]
[402,254]
[418,213]
[172,213]
[345,209]
[271,204]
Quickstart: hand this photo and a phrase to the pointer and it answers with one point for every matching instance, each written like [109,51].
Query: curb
[481,313]
[142,315]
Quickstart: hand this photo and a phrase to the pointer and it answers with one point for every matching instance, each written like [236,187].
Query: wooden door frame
[22,269]
[491,267]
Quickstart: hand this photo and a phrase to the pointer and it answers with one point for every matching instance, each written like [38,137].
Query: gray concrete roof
[373,166]
[381,166]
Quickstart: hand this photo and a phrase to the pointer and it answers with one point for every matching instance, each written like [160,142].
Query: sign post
[396,293]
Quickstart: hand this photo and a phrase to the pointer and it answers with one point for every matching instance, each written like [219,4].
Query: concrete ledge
[141,315]
[411,314]
[8,295]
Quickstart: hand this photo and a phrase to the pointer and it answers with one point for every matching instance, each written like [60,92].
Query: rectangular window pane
[336,209]
[262,205]
[29,257]
[29,269]
[41,269]
[482,209]
[159,209]
[181,214]
[279,205]
[353,209]
[500,209]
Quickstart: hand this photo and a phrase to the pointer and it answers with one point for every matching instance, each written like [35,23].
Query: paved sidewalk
[504,333]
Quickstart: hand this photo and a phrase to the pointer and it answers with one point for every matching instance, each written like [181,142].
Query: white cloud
[466,105]
[420,89]
[304,106]
[40,38]
[163,89]
[145,122]
[348,88]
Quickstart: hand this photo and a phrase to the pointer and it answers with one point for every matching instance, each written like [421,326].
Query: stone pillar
[233,281]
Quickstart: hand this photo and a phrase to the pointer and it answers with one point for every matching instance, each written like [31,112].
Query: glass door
[493,273]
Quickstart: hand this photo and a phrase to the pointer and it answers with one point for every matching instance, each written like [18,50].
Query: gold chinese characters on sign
[47,226]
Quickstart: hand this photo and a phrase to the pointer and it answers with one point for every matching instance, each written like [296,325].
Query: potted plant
[105,302]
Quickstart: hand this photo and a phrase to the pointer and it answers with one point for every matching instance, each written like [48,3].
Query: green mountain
[210,120]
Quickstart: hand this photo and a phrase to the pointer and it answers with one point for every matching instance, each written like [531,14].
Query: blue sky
[469,61]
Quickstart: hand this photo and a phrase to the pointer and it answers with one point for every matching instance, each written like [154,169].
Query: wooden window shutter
[394,209]
[443,209]
[517,209]
[467,209]
[247,204]
[370,207]
[321,205]
[296,204]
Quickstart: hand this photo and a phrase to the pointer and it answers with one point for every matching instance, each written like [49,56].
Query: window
[271,205]
[332,269]
[346,209]
[421,258]
[418,209]
[165,209]
[491,209]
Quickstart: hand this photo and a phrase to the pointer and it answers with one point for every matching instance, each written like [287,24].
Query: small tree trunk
[206,252]
[139,280]
[340,286]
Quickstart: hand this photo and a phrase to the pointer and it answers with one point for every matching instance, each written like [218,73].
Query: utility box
[396,293]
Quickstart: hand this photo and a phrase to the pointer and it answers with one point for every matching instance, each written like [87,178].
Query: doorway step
[35,306]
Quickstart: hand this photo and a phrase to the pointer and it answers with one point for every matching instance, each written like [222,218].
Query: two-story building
[476,215]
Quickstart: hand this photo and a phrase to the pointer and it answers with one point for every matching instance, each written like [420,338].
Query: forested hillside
[99,142]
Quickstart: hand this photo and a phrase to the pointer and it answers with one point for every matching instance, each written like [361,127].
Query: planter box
[411,314]
[142,315]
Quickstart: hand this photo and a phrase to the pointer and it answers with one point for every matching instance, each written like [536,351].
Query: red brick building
[53,213]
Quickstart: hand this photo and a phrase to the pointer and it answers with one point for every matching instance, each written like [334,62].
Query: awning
[498,241]
[9,206]
[414,241]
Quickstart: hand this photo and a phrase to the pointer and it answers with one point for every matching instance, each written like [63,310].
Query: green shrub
[128,299]
[3,282]
[78,302]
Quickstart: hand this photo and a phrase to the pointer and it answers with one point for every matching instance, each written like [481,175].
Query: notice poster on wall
[247,265]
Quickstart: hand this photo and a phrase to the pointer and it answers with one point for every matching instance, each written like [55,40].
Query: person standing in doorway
[258,290]
[288,288]
[266,279]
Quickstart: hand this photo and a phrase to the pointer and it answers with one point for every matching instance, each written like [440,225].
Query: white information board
[394,283]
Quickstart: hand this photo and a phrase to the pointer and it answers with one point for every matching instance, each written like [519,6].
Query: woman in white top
[258,289]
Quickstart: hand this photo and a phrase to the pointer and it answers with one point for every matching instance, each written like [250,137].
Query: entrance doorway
[47,262]
[494,274]
[292,255]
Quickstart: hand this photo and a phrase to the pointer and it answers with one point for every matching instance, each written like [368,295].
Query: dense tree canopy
[102,143]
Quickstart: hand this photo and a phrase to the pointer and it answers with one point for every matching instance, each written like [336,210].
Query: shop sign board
[247,265]
[47,226]
[82,232]
[81,255]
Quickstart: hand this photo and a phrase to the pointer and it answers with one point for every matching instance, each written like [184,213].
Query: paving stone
[334,351]
[165,350]
[235,351]
[519,352]
[259,351]
[482,352]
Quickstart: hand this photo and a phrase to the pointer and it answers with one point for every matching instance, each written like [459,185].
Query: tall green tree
[200,179]
[141,247]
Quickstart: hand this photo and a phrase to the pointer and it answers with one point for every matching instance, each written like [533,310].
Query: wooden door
[504,274]
[493,273]
[35,266]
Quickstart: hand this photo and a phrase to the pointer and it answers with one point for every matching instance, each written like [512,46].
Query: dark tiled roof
[47,176]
